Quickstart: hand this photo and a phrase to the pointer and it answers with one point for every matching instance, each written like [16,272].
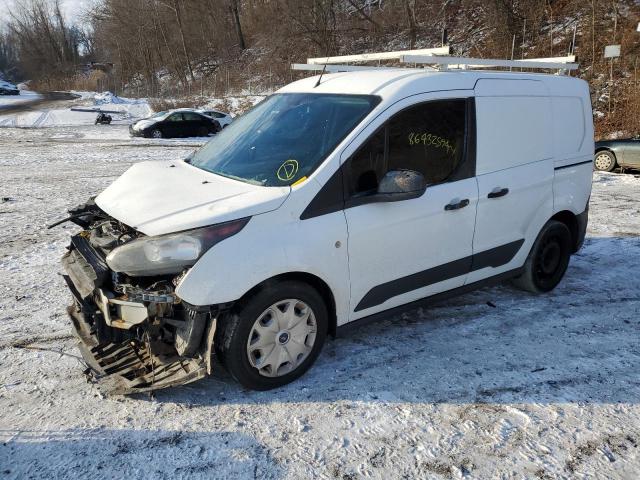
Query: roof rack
[428,57]
[448,63]
[339,64]
[369,57]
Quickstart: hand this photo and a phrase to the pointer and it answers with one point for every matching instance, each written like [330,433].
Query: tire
[189,335]
[605,161]
[203,132]
[249,326]
[548,260]
[156,133]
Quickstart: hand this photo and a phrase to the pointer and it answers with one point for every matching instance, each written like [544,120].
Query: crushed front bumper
[119,360]
[129,367]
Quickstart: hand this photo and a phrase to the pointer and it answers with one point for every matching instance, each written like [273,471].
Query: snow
[58,113]
[494,384]
[24,97]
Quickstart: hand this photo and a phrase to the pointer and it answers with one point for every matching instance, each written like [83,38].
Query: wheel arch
[570,220]
[313,281]
[607,148]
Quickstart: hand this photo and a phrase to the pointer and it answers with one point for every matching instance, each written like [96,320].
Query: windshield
[284,138]
[159,114]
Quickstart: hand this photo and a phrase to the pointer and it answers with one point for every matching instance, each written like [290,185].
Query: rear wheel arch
[570,220]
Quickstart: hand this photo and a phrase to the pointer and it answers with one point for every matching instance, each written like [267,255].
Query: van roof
[392,83]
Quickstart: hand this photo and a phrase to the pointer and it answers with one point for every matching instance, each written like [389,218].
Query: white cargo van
[332,201]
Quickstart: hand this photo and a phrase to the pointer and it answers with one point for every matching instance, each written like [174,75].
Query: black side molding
[573,165]
[427,301]
[494,257]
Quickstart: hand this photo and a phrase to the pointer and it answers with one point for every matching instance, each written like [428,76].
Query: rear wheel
[203,132]
[605,161]
[274,336]
[548,260]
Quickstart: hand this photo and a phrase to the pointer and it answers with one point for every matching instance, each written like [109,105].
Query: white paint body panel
[380,242]
[388,241]
[518,215]
[157,198]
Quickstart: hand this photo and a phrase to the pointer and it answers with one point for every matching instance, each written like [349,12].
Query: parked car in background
[223,118]
[7,88]
[175,123]
[624,152]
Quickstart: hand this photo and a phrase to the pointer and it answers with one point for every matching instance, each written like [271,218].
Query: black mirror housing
[401,185]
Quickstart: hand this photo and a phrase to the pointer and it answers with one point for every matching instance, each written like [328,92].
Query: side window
[366,167]
[176,117]
[428,138]
[191,117]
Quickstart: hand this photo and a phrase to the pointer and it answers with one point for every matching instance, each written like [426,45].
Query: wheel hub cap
[603,162]
[282,337]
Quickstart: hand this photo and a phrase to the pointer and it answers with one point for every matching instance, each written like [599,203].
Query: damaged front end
[135,333]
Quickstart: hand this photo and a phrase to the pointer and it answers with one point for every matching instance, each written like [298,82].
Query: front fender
[272,244]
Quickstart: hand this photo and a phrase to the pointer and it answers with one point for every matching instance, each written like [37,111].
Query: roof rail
[341,68]
[370,57]
[446,62]
[432,56]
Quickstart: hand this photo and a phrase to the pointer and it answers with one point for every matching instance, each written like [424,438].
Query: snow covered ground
[493,384]
[24,97]
[58,113]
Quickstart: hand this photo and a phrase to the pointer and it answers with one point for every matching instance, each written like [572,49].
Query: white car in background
[223,118]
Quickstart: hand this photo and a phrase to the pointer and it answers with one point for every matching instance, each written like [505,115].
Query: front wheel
[273,337]
[548,260]
[156,133]
[605,161]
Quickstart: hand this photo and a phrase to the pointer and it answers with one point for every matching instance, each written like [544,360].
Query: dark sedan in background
[623,153]
[175,123]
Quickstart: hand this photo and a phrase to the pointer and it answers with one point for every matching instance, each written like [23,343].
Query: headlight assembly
[167,254]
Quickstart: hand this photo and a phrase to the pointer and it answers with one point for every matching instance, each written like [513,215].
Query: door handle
[457,206]
[498,192]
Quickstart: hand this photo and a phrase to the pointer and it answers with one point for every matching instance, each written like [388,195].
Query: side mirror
[399,185]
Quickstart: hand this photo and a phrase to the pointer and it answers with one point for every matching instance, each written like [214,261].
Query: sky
[71,9]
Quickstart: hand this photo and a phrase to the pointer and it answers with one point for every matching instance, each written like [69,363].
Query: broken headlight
[168,254]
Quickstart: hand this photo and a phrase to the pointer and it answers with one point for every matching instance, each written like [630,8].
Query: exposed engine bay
[135,333]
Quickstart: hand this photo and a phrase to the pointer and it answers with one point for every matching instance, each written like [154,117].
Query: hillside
[180,48]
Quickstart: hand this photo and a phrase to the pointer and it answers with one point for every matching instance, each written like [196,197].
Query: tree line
[213,47]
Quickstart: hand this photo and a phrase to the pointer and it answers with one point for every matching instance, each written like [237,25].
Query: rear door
[514,169]
[631,153]
[193,124]
[173,125]
[405,250]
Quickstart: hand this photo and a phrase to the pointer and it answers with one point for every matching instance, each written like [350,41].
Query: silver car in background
[223,118]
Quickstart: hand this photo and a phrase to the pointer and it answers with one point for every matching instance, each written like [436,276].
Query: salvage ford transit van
[333,200]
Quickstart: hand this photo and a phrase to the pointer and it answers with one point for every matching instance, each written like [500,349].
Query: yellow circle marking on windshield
[287,170]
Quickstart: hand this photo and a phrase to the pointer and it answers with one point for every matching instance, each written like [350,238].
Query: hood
[144,123]
[164,197]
